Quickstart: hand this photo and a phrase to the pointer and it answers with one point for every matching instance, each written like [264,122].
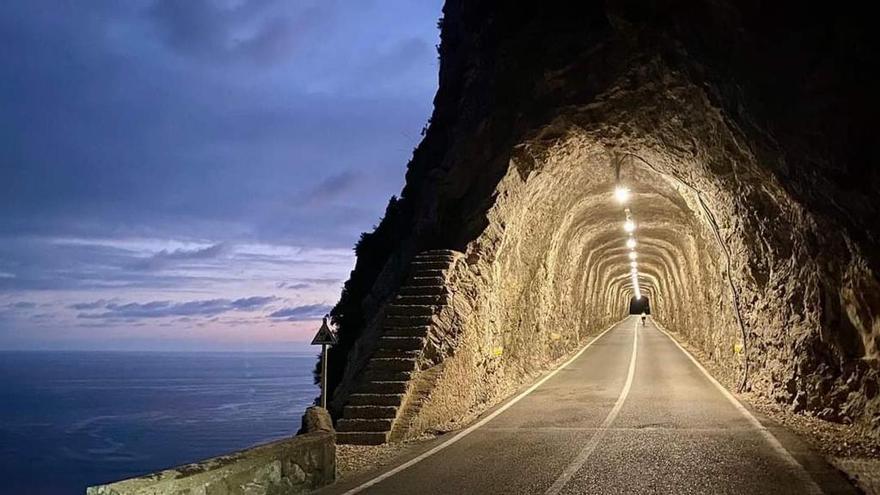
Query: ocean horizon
[71,419]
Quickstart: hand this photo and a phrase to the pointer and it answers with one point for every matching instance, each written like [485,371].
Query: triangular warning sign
[325,336]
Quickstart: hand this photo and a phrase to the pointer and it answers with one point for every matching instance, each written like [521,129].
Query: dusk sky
[193,175]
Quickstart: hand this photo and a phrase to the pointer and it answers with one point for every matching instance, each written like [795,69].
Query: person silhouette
[643,318]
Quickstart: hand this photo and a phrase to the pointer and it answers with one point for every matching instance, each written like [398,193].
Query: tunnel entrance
[639,306]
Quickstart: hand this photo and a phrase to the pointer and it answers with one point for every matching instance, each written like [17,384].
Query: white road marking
[796,466]
[476,425]
[588,449]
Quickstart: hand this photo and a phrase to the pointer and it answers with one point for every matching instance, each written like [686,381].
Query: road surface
[632,413]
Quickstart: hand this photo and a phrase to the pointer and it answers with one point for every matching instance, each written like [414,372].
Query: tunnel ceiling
[747,164]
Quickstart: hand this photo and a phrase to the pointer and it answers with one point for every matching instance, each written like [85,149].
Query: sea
[73,419]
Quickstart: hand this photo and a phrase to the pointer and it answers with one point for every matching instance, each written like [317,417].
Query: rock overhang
[540,115]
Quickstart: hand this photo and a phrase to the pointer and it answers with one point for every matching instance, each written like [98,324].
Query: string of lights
[622,195]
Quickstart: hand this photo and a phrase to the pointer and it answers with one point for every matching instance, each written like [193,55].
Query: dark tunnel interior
[640,305]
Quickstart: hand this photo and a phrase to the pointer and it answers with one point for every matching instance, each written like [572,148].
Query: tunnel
[749,187]
[638,306]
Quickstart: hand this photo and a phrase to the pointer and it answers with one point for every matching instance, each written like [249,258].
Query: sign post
[324,337]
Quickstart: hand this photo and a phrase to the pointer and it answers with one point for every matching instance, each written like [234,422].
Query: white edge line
[575,465]
[470,429]
[771,439]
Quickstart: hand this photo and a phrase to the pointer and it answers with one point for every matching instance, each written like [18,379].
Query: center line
[588,449]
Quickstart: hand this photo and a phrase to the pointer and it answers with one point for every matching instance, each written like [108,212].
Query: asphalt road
[633,413]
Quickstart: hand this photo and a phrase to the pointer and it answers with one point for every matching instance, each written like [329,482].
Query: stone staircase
[377,402]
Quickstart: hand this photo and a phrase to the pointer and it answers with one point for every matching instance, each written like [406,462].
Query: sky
[193,175]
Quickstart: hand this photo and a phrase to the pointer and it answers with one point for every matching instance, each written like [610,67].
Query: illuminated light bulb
[633,264]
[629,226]
[633,255]
[631,243]
[621,194]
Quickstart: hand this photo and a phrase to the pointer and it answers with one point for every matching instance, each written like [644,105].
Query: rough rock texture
[741,128]
[316,419]
[295,465]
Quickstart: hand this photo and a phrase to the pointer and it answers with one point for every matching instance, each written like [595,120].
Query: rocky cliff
[742,130]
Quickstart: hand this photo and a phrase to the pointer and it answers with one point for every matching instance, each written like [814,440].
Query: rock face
[741,129]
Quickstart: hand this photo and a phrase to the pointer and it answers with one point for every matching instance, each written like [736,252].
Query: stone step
[362,437]
[383,424]
[382,387]
[369,412]
[409,310]
[428,273]
[437,252]
[393,363]
[403,343]
[377,375]
[429,300]
[447,261]
[413,331]
[425,281]
[397,353]
[375,399]
[425,290]
[429,264]
[407,321]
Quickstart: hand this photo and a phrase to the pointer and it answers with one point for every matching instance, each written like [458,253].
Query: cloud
[15,310]
[100,303]
[299,285]
[47,264]
[307,283]
[164,309]
[301,313]
[22,305]
[333,187]
[206,151]
[199,125]
[165,257]
[252,303]
[264,32]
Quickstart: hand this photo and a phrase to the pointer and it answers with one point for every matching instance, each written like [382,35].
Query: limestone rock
[748,156]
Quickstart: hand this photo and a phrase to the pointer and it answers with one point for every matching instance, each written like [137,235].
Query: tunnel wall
[757,229]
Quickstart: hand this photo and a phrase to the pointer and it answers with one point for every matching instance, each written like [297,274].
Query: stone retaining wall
[294,465]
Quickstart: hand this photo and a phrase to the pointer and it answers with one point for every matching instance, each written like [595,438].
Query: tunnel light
[636,289]
[633,255]
[631,243]
[621,194]
[633,264]
[629,226]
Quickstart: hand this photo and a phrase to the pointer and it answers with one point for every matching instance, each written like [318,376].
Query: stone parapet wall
[294,465]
